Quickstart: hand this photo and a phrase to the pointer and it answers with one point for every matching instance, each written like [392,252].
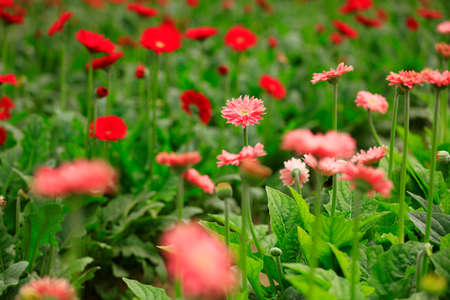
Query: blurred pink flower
[178,160]
[444,27]
[327,166]
[247,152]
[47,288]
[243,111]
[202,181]
[289,166]
[332,74]
[372,102]
[405,78]
[372,156]
[361,176]
[436,78]
[199,260]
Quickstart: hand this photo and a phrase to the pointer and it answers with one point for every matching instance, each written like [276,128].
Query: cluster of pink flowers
[287,175]
[247,152]
[95,177]
[201,181]
[332,74]
[243,111]
[372,102]
[47,288]
[178,160]
[327,166]
[369,157]
[436,78]
[200,261]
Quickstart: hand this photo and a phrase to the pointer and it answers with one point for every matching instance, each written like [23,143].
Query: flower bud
[276,251]
[443,157]
[224,190]
[2,201]
[433,283]
[102,92]
[296,172]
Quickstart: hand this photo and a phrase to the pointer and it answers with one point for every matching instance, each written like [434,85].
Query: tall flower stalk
[356,210]
[402,195]
[393,131]
[151,103]
[89,107]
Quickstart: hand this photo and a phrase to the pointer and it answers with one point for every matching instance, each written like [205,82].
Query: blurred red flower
[201,33]
[178,160]
[355,5]
[436,78]
[240,38]
[272,86]
[162,38]
[336,38]
[12,15]
[429,13]
[443,49]
[127,41]
[105,61]
[47,288]
[5,108]
[265,5]
[8,78]
[223,70]
[199,100]
[58,25]
[320,28]
[94,42]
[412,23]
[345,29]
[140,71]
[109,128]
[101,92]
[142,10]
[201,181]
[272,42]
[369,22]
[3,136]
[192,3]
[381,14]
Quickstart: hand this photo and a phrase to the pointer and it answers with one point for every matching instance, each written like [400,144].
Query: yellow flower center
[372,101]
[244,111]
[159,44]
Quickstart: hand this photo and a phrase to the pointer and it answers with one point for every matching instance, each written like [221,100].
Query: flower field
[224,149]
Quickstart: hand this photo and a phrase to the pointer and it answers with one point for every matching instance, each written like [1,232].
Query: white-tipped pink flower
[287,175]
[202,181]
[372,102]
[332,74]
[200,261]
[243,111]
[47,288]
[372,156]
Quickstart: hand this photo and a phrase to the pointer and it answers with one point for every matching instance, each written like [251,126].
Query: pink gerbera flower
[332,74]
[371,179]
[299,140]
[372,156]
[372,102]
[444,27]
[247,152]
[436,78]
[327,166]
[243,111]
[47,288]
[287,175]
[178,160]
[405,78]
[202,181]
[200,261]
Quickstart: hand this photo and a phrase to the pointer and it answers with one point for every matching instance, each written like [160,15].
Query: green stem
[89,105]
[235,80]
[315,236]
[18,209]
[109,97]
[355,246]
[5,47]
[178,290]
[334,120]
[245,136]
[297,181]
[372,128]
[153,93]
[393,129]
[402,204]
[227,221]
[244,235]
[280,272]
[63,75]
[432,166]
[444,109]
[180,197]
[253,231]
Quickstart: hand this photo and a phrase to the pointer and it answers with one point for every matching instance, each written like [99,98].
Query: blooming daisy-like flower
[201,33]
[327,166]
[345,29]
[429,13]
[444,27]
[287,175]
[243,111]
[372,156]
[412,23]
[405,78]
[443,49]
[94,42]
[200,261]
[202,181]
[162,38]
[366,21]
[240,38]
[332,74]
[436,78]
[142,10]
[140,71]
[247,152]
[5,108]
[47,288]
[372,102]
[109,128]
[8,78]
[178,160]
[371,180]
[105,61]
[58,25]
[199,100]
[355,5]
[272,86]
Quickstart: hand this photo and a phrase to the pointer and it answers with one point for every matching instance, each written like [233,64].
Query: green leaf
[254,268]
[445,241]
[74,268]
[441,261]
[392,275]
[344,197]
[440,224]
[146,292]
[343,260]
[284,217]
[11,275]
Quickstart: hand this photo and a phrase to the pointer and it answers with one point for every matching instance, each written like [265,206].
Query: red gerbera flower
[355,5]
[8,78]
[5,108]
[240,38]
[142,10]
[105,61]
[6,3]
[320,28]
[272,86]
[192,3]
[58,25]
[336,38]
[3,136]
[429,13]
[223,70]
[272,42]
[190,97]
[200,33]
[101,92]
[369,22]
[412,23]
[140,71]
[14,15]
[381,14]
[95,42]
[345,29]
[264,4]
[162,38]
[110,128]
